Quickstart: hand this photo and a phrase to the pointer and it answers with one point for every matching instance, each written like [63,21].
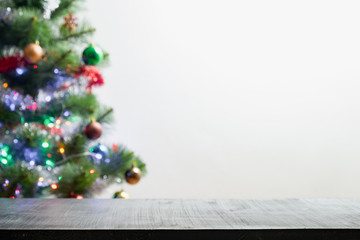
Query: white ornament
[49,7]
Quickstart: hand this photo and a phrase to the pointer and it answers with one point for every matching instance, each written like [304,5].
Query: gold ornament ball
[122,194]
[133,175]
[33,52]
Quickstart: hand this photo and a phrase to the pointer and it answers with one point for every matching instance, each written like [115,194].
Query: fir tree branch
[67,158]
[33,21]
[61,58]
[88,110]
[99,119]
[63,6]
[78,34]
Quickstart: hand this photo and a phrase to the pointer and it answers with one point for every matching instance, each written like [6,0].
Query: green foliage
[38,29]
[76,178]
[30,82]
[67,35]
[121,161]
[9,117]
[65,7]
[128,160]
[84,105]
[38,131]
[29,3]
[28,25]
[104,115]
[32,136]
[88,106]
[18,174]
[77,144]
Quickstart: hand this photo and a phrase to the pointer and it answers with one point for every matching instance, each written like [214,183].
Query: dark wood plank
[280,234]
[179,219]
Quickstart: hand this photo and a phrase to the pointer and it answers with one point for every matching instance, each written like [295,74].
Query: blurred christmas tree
[50,122]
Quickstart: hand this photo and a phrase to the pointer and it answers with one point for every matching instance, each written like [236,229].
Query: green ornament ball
[92,55]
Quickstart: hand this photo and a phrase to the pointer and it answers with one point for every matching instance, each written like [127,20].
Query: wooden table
[179,219]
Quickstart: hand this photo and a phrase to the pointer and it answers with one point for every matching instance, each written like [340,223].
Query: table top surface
[179,214]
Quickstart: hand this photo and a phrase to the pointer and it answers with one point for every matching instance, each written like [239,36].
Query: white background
[234,99]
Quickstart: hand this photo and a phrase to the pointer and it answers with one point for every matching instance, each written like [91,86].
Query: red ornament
[8,64]
[115,147]
[93,130]
[93,76]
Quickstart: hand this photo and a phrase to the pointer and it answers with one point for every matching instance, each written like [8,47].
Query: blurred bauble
[93,130]
[101,152]
[133,175]
[92,55]
[33,52]
[121,194]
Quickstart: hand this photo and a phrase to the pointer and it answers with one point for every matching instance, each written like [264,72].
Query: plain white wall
[234,99]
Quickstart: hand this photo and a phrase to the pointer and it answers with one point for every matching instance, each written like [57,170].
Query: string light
[49,120]
[61,150]
[4,150]
[66,113]
[33,107]
[54,186]
[79,197]
[92,171]
[5,85]
[4,153]
[20,71]
[45,145]
[41,179]
[48,98]
[49,163]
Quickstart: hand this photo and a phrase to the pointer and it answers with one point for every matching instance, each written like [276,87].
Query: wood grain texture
[190,219]
[179,214]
